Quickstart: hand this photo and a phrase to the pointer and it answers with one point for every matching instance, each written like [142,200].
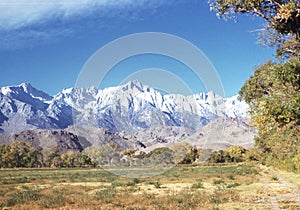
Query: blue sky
[48,43]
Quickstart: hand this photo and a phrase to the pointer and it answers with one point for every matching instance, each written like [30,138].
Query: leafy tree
[191,156]
[183,153]
[161,156]
[252,155]
[17,154]
[282,18]
[273,92]
[236,153]
[93,153]
[49,153]
[4,156]
[20,154]
[83,160]
[69,159]
[35,157]
[220,156]
[233,154]
[107,154]
[23,154]
[57,162]
[296,161]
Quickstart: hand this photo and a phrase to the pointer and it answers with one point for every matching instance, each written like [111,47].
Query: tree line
[25,155]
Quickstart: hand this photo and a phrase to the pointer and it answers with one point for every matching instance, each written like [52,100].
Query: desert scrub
[156,184]
[274,178]
[22,196]
[54,199]
[222,195]
[218,182]
[246,170]
[198,184]
[233,185]
[231,177]
[106,195]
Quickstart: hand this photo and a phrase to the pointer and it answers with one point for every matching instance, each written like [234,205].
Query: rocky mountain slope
[131,107]
[222,133]
[72,138]
[59,139]
[218,134]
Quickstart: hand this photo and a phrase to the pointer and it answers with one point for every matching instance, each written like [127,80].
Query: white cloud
[15,14]
[26,23]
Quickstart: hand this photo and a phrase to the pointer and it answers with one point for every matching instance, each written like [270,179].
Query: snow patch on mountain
[129,107]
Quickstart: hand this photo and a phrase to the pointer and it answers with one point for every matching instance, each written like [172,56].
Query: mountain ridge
[129,107]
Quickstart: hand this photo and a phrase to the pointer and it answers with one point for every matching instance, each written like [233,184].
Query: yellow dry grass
[241,186]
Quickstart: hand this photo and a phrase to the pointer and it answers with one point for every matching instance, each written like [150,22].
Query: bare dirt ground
[282,194]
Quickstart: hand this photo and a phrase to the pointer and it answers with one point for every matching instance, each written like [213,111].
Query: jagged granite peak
[25,89]
[131,85]
[129,107]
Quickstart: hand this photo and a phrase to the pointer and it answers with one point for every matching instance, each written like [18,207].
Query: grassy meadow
[234,186]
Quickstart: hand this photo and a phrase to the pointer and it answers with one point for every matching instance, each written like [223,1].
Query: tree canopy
[282,21]
[273,93]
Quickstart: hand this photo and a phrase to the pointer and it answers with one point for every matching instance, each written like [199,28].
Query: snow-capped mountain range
[129,107]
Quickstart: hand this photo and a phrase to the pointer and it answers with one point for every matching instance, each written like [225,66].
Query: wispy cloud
[24,23]
[15,14]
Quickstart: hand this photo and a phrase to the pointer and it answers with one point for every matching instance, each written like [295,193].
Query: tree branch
[276,2]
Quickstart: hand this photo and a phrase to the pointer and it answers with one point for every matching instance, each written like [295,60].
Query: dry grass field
[243,186]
